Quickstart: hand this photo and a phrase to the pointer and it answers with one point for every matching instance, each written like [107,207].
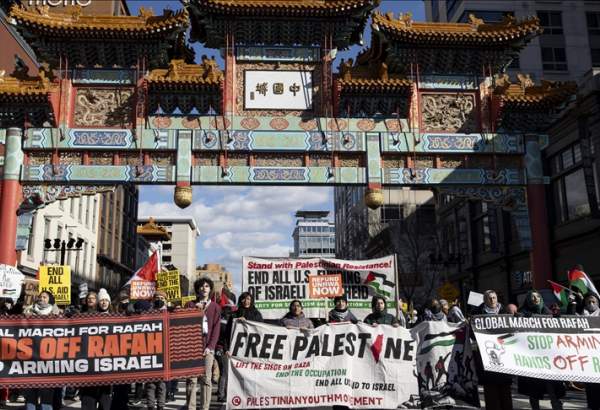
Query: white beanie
[103,294]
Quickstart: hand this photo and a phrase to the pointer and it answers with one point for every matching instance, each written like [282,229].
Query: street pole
[63,252]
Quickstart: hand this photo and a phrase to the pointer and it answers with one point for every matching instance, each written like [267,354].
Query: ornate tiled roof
[179,73]
[150,230]
[525,94]
[24,88]
[476,32]
[73,22]
[299,7]
[372,77]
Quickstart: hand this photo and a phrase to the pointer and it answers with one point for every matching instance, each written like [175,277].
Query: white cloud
[240,221]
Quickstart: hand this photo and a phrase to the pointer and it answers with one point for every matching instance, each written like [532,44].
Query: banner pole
[397,291]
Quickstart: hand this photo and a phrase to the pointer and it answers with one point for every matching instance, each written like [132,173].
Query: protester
[91,303]
[379,314]
[340,312]
[455,315]
[537,388]
[592,390]
[156,392]
[295,318]
[97,397]
[433,312]
[211,329]
[496,386]
[121,391]
[511,309]
[245,311]
[43,306]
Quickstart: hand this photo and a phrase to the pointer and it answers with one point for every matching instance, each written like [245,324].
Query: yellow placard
[186,299]
[56,279]
[168,281]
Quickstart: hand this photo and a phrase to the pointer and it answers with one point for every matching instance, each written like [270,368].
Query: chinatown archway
[426,105]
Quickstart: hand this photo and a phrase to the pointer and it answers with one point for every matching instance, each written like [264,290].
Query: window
[551,21]
[391,213]
[80,210]
[595,52]
[593,23]
[94,213]
[87,210]
[166,259]
[72,206]
[554,59]
[166,246]
[59,230]
[31,236]
[568,186]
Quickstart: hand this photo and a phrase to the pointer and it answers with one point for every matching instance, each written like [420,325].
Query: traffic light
[47,243]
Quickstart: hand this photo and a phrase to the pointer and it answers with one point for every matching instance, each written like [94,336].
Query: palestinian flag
[581,281]
[561,294]
[380,284]
[442,339]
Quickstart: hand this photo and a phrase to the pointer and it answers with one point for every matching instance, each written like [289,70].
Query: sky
[237,221]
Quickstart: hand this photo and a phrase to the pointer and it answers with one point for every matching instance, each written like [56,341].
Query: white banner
[11,281]
[358,366]
[274,283]
[445,366]
[544,347]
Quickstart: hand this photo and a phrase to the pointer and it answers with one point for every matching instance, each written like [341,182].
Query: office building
[314,235]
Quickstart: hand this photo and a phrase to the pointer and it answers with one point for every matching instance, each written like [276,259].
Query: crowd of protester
[217,327]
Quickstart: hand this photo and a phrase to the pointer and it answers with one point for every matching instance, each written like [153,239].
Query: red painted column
[540,255]
[11,191]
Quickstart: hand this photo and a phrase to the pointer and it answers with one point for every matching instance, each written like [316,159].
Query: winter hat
[103,295]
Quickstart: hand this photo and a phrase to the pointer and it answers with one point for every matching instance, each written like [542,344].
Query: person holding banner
[211,328]
[43,306]
[295,317]
[379,314]
[245,311]
[94,397]
[529,386]
[496,386]
[592,390]
[340,312]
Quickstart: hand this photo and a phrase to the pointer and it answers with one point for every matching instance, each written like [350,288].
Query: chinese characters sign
[283,90]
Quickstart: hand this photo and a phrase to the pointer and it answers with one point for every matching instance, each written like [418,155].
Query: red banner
[88,350]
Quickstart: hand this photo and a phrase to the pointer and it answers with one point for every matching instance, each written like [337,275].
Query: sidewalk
[573,400]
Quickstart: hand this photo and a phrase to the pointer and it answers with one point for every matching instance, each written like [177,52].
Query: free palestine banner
[545,347]
[89,350]
[359,366]
[274,283]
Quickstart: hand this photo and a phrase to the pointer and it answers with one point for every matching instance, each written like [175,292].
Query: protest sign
[325,286]
[168,281]
[544,347]
[475,299]
[274,283]
[358,366]
[56,279]
[445,365]
[107,349]
[32,287]
[186,299]
[11,281]
[142,290]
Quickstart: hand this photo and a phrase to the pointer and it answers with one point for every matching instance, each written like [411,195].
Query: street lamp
[63,246]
